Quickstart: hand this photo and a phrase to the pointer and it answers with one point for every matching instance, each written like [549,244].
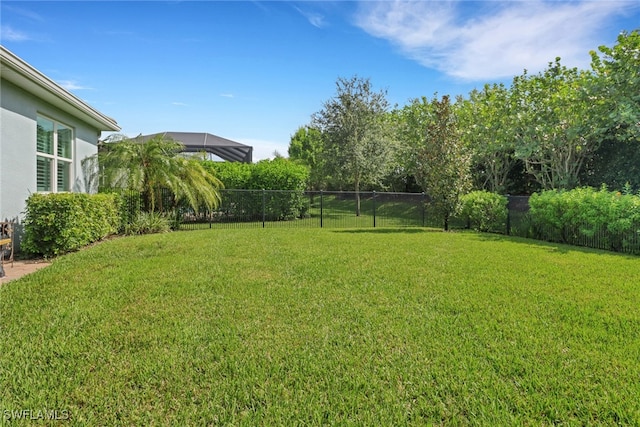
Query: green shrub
[278,174]
[546,210]
[484,211]
[148,223]
[232,174]
[281,174]
[286,180]
[64,222]
[588,217]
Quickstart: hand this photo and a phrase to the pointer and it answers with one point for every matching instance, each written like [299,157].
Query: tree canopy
[484,121]
[616,89]
[305,148]
[356,136]
[556,129]
[550,133]
[442,161]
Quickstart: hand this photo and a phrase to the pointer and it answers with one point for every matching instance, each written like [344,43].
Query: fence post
[374,209]
[264,195]
[321,207]
[424,207]
[508,215]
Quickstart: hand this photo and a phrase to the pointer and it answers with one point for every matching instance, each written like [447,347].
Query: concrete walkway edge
[21,268]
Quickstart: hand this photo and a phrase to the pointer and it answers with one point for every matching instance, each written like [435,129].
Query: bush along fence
[599,219]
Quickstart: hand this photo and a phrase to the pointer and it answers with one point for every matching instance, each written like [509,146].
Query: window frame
[55,158]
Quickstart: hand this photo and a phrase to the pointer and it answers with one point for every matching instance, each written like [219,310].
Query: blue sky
[255,71]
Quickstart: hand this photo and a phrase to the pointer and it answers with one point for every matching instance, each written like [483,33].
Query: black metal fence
[621,236]
[333,209]
[274,208]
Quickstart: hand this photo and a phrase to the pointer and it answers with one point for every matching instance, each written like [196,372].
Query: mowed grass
[325,327]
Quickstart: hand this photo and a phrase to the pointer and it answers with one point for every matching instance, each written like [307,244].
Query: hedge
[232,174]
[279,174]
[484,211]
[584,216]
[63,222]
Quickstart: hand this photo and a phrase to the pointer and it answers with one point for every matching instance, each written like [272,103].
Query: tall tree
[357,140]
[410,123]
[485,123]
[552,138]
[616,89]
[154,165]
[615,112]
[442,161]
[305,147]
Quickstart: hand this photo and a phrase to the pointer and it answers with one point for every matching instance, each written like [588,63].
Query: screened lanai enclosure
[198,142]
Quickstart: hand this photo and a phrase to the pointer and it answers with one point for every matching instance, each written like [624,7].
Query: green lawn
[320,326]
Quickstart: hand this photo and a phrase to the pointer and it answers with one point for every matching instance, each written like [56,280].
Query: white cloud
[315,19]
[227,95]
[72,85]
[9,34]
[263,149]
[29,14]
[498,39]
[179,104]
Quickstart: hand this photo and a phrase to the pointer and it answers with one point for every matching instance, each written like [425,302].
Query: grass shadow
[389,230]
[560,248]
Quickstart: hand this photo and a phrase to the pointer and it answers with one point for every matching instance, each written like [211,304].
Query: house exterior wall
[18,130]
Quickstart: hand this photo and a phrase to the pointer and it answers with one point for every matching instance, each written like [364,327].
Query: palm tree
[154,165]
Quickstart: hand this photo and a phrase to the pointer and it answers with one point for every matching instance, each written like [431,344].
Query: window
[55,156]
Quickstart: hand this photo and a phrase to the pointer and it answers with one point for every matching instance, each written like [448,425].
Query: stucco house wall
[25,95]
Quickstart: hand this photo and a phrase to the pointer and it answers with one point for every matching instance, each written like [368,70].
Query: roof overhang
[23,75]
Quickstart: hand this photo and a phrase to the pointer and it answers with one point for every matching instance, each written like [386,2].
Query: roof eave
[33,81]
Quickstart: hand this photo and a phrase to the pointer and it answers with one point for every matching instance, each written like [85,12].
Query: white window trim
[55,158]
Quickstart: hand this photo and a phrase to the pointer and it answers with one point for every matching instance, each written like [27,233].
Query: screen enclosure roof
[195,142]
